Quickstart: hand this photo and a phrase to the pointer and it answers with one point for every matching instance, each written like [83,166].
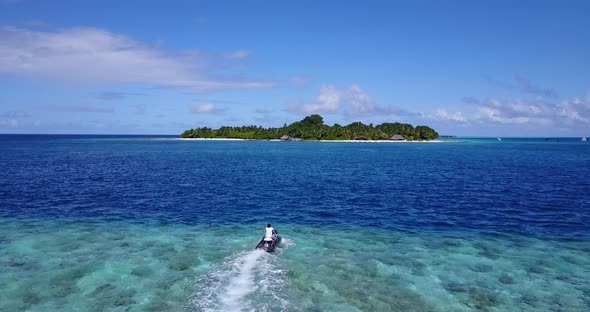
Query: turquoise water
[89,266]
[129,224]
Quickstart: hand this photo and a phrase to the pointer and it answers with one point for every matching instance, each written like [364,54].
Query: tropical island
[312,128]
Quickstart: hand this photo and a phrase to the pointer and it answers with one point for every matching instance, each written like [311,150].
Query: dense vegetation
[313,128]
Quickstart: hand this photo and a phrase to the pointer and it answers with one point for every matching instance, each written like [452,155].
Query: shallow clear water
[73,265]
[112,224]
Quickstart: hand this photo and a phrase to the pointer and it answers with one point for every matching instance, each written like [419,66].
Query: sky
[467,68]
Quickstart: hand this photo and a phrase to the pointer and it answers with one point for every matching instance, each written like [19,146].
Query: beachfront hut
[397,137]
[285,138]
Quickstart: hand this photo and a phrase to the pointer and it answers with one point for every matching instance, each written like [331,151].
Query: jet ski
[269,246]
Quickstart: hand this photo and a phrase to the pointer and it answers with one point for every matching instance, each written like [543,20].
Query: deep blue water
[526,186]
[144,223]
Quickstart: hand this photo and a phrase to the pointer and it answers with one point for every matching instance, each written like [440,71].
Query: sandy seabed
[48,265]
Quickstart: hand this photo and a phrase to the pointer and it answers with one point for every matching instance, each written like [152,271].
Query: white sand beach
[334,141]
[211,139]
[382,141]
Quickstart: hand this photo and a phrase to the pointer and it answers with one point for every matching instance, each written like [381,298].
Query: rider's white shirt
[268,234]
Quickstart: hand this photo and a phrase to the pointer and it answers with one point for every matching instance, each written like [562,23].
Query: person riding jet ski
[270,240]
[270,235]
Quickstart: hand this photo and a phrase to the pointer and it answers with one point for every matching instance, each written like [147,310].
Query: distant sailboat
[584,139]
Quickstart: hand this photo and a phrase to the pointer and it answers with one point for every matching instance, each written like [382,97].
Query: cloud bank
[349,101]
[98,56]
[12,119]
[537,112]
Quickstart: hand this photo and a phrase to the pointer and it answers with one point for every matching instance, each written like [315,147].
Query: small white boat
[584,139]
[499,139]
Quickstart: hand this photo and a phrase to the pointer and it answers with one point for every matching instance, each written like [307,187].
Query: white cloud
[443,114]
[98,124]
[359,101]
[537,112]
[205,108]
[575,110]
[239,54]
[94,55]
[328,101]
[12,119]
[351,100]
[488,114]
[12,123]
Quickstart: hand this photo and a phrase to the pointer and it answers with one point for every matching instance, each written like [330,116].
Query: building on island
[289,138]
[397,137]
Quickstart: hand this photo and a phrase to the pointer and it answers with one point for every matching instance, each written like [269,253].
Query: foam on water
[285,244]
[243,283]
[247,281]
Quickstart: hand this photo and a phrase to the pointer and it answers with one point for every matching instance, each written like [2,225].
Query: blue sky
[484,68]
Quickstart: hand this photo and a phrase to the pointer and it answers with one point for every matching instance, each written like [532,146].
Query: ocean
[152,223]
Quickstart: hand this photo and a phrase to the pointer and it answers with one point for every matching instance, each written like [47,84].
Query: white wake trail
[245,282]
